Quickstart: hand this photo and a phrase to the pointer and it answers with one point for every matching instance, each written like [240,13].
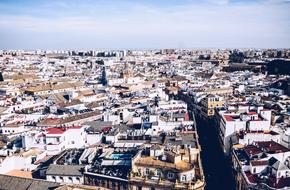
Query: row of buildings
[128,121]
[249,112]
[97,122]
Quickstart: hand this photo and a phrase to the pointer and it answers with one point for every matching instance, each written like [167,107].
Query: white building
[61,138]
[65,174]
[232,123]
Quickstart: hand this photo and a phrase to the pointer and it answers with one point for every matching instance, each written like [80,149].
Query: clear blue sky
[96,24]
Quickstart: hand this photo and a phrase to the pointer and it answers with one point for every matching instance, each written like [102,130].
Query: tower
[1,77]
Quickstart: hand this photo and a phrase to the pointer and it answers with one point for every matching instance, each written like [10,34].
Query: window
[158,173]
[170,175]
[147,171]
[183,178]
[53,177]
[254,170]
[33,159]
[70,179]
[78,179]
[61,178]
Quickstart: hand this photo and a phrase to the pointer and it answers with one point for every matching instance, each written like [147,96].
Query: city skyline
[144,24]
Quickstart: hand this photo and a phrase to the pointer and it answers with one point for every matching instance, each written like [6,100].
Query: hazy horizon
[129,24]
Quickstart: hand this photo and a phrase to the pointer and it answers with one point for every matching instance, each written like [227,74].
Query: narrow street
[217,167]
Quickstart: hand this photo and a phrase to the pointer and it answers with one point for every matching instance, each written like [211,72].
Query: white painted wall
[65,179]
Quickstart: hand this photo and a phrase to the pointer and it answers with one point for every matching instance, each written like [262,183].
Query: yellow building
[169,167]
[210,103]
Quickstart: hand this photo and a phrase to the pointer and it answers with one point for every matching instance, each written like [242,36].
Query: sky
[144,24]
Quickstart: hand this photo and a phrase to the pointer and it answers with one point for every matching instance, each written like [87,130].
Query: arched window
[147,171]
[170,175]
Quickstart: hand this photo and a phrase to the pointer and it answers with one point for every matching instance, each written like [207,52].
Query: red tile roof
[259,162]
[252,150]
[253,178]
[272,181]
[228,117]
[60,130]
[272,146]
